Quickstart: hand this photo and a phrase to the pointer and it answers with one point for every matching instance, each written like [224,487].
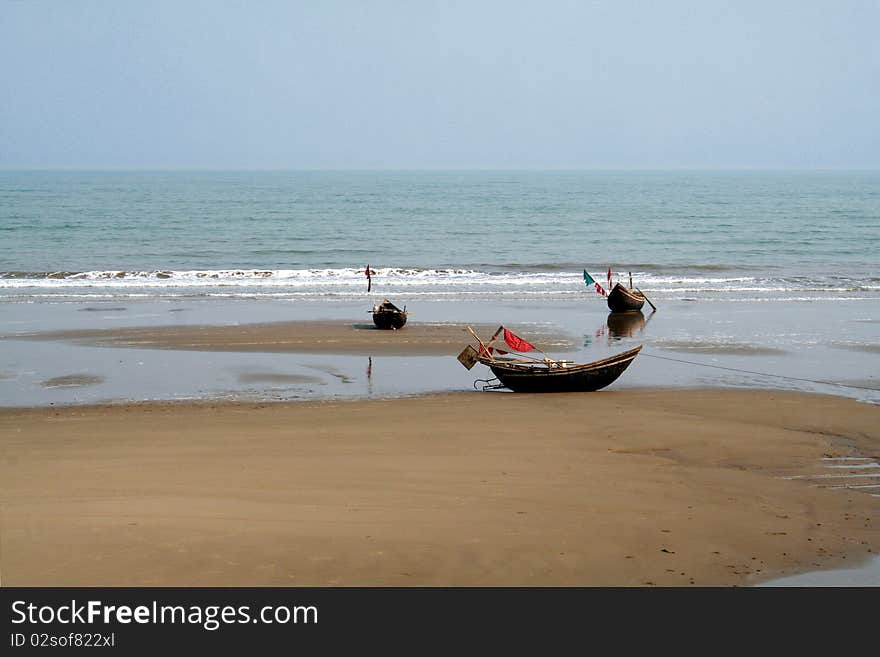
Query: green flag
[589,281]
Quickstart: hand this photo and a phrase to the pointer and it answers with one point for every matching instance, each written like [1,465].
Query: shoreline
[632,487]
[59,355]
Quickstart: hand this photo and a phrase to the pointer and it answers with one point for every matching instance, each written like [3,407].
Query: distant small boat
[626,299]
[545,375]
[388,316]
[622,299]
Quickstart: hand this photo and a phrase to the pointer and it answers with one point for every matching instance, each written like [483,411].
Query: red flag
[609,278]
[600,290]
[516,343]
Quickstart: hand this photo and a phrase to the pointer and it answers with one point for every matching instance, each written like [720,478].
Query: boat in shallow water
[622,299]
[530,374]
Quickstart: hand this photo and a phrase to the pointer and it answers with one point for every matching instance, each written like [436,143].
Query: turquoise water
[683,235]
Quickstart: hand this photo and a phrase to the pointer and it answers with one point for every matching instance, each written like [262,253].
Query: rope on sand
[778,376]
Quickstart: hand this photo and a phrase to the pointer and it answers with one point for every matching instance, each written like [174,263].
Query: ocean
[684,236]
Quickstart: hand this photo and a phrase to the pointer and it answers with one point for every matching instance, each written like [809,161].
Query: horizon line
[198,169]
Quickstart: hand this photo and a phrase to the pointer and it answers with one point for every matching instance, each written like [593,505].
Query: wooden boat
[622,299]
[546,375]
[388,316]
[560,376]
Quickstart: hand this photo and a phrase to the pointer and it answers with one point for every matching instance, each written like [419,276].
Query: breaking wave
[687,284]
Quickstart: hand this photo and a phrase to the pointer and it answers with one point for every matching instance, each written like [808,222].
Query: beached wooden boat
[388,316]
[527,374]
[560,376]
[622,299]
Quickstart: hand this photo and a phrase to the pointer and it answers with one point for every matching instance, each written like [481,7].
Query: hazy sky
[446,84]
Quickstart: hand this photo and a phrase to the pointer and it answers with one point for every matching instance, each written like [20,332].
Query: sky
[418,84]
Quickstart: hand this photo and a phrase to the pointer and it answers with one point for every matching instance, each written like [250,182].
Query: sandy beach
[634,487]
[306,337]
[390,470]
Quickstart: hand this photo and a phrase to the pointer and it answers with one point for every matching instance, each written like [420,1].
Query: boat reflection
[625,325]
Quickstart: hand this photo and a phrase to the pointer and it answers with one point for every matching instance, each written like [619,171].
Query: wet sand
[310,337]
[633,487]
[865,348]
[73,381]
[102,309]
[717,348]
[272,377]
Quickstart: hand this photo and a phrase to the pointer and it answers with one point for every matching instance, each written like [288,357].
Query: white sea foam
[441,282]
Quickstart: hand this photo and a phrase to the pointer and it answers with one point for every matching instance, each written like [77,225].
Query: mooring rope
[778,376]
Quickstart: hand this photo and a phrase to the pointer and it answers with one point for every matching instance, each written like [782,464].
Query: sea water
[738,236]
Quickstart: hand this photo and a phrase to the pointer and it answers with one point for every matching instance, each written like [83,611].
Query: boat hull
[578,378]
[389,319]
[621,300]
[388,316]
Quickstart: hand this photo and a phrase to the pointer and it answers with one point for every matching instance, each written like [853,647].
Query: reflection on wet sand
[718,347]
[273,377]
[73,381]
[625,325]
[868,348]
[619,325]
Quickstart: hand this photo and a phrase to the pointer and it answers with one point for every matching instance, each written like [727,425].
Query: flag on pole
[589,281]
[369,273]
[609,277]
[516,343]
